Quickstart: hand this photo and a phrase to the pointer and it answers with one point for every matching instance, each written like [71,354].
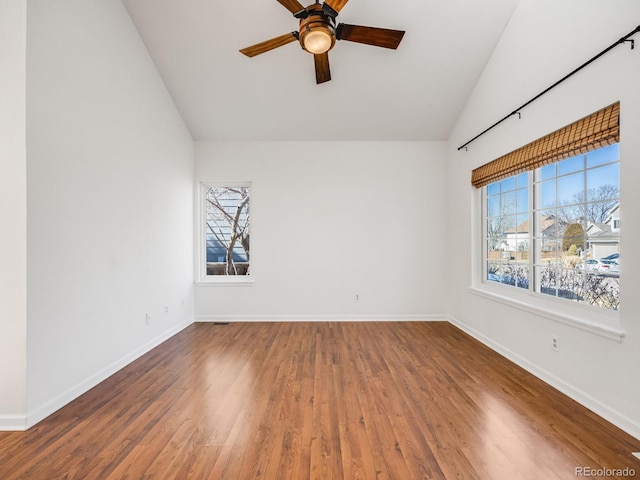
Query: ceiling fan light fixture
[318,38]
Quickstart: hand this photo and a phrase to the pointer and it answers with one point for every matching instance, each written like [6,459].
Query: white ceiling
[413,93]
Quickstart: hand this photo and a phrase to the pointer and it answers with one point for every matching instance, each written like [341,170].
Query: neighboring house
[217,252]
[517,239]
[614,219]
[217,257]
[604,238]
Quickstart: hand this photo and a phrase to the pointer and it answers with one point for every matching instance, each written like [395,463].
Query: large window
[226,231]
[555,230]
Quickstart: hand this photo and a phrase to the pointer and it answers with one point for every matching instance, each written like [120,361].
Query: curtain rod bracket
[631,41]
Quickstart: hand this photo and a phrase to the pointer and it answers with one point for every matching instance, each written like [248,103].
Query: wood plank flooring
[370,400]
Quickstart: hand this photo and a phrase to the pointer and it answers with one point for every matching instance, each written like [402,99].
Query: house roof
[612,212]
[601,233]
[546,222]
[598,228]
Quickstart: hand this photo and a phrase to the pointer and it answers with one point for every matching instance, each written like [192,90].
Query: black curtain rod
[517,110]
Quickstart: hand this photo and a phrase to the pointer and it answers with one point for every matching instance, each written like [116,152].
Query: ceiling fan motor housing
[317,25]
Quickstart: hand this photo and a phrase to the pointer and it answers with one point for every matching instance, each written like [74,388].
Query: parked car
[593,265]
[613,256]
[610,266]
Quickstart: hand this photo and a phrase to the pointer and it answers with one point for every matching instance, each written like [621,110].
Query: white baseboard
[611,415]
[13,423]
[40,413]
[322,318]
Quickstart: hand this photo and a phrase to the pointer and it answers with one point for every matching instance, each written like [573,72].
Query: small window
[226,232]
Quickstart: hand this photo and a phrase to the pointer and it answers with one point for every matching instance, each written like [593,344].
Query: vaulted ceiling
[413,93]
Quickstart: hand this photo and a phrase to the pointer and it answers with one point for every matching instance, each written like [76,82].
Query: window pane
[547,276]
[523,200]
[508,273]
[606,177]
[495,232]
[571,189]
[546,224]
[509,223]
[508,203]
[603,155]
[508,184]
[603,290]
[562,282]
[522,221]
[547,194]
[571,165]
[548,171]
[493,188]
[493,206]
[522,180]
[598,215]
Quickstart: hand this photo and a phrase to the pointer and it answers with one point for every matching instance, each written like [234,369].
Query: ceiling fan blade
[323,74]
[294,6]
[336,5]
[267,45]
[378,37]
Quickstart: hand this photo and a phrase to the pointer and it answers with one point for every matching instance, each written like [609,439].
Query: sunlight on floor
[513,448]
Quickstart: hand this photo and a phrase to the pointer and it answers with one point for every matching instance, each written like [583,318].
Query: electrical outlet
[147,318]
[356,297]
[166,309]
[555,344]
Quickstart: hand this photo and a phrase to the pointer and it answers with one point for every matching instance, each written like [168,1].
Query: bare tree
[594,207]
[228,221]
[501,219]
[496,231]
[600,201]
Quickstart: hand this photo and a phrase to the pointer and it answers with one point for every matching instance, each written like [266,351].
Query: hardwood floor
[319,400]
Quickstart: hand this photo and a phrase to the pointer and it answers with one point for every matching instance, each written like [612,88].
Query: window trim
[201,244]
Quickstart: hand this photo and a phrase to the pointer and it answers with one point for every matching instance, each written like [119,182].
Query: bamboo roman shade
[594,131]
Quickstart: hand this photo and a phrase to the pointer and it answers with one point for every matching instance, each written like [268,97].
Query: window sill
[225,281]
[601,329]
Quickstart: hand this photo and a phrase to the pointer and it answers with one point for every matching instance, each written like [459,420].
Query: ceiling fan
[318,33]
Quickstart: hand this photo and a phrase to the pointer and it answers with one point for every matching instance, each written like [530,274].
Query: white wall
[13,215]
[330,220]
[110,178]
[545,40]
